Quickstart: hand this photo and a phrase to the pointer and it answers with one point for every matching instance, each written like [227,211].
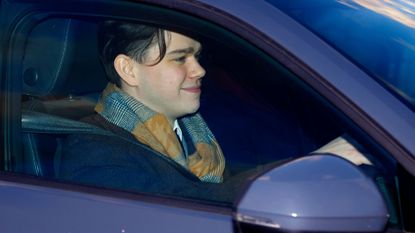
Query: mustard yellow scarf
[153,129]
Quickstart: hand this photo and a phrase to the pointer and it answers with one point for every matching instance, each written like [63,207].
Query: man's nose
[196,70]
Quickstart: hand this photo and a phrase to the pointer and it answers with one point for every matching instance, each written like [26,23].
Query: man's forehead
[182,44]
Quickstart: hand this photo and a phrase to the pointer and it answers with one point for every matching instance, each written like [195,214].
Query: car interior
[63,77]
[257,109]
[55,67]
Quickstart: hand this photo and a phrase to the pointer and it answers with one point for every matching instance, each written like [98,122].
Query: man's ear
[124,65]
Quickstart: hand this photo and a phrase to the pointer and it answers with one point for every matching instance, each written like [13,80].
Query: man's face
[172,86]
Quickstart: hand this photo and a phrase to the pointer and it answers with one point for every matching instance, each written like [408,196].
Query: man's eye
[180,59]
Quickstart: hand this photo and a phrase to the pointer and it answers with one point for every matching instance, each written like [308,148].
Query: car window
[377,35]
[259,111]
[62,87]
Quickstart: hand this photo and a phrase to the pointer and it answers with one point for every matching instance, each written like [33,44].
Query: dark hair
[131,39]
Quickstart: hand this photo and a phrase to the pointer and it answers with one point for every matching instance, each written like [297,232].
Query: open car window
[254,124]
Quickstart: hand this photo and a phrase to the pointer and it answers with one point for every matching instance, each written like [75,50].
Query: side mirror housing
[319,193]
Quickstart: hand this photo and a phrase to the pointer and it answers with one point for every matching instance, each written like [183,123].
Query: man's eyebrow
[189,50]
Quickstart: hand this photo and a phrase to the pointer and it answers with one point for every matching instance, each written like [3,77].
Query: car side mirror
[319,193]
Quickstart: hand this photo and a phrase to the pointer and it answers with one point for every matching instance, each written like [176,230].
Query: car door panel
[28,208]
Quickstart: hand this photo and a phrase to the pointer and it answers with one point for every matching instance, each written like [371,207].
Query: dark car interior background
[258,110]
[243,100]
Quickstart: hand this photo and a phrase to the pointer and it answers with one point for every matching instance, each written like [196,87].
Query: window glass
[378,35]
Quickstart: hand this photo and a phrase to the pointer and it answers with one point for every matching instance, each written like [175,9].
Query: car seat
[61,79]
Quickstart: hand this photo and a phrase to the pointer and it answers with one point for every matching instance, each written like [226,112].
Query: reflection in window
[378,35]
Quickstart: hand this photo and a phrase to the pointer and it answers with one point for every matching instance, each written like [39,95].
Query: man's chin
[192,110]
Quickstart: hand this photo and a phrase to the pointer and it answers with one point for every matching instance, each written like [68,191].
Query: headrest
[61,58]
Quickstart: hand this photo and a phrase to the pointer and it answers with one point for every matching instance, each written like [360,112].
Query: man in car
[162,144]
[158,141]
[155,93]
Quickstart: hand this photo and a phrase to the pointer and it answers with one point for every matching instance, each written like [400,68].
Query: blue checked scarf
[153,129]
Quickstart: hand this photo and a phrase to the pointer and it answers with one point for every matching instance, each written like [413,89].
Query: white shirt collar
[178,130]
